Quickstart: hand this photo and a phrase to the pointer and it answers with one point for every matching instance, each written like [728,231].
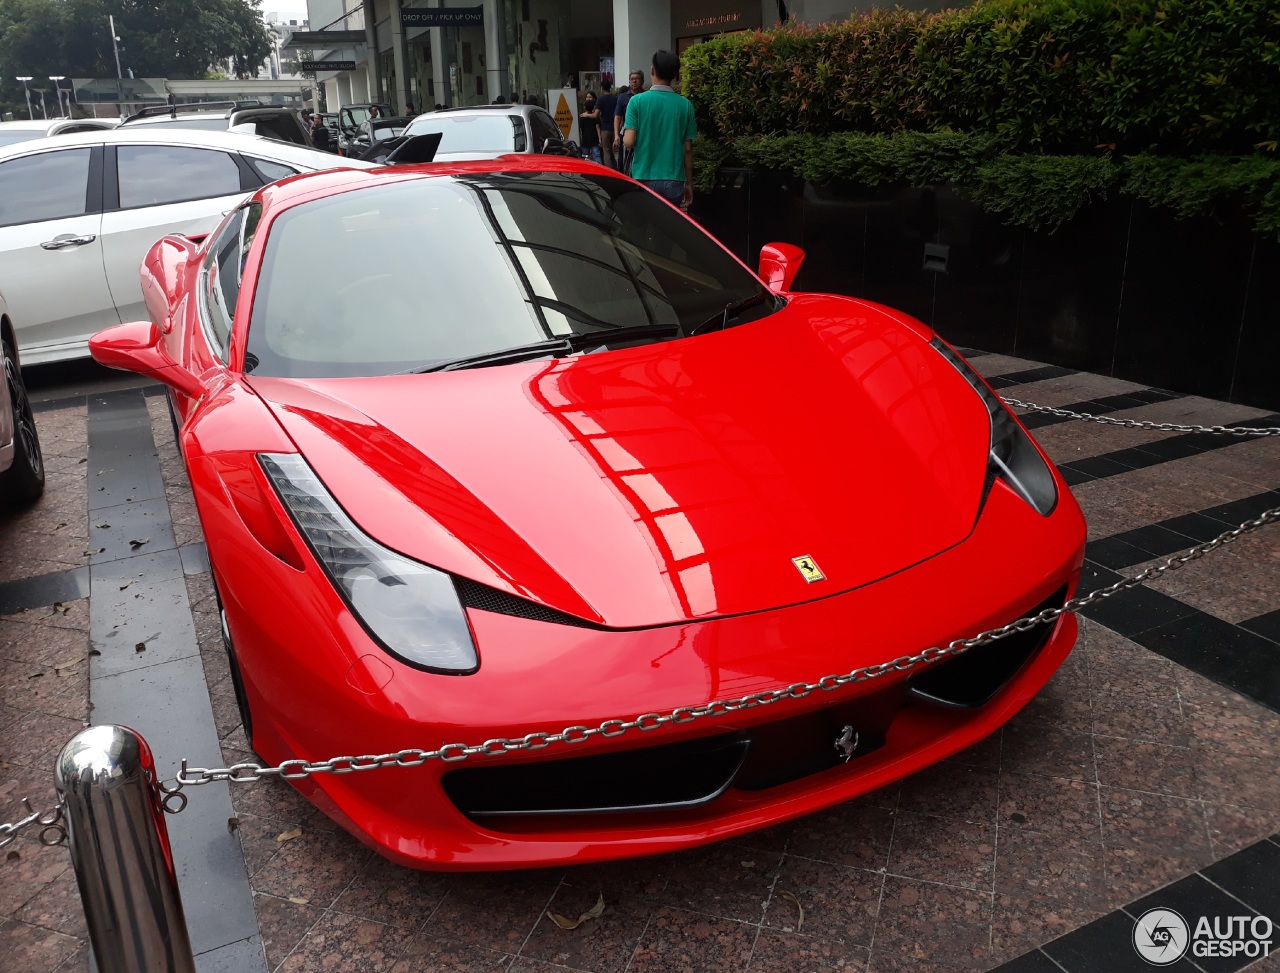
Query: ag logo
[808,568]
[1161,936]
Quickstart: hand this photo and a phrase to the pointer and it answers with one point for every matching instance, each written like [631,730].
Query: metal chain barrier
[1139,424]
[51,830]
[174,800]
[453,752]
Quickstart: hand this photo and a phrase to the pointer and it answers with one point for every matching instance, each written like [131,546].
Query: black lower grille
[671,775]
[476,595]
[973,679]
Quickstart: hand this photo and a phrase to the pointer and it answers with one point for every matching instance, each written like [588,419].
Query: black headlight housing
[1013,457]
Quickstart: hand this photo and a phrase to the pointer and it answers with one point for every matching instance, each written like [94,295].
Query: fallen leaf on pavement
[299,900]
[790,897]
[289,835]
[233,823]
[595,912]
[1057,868]
[135,544]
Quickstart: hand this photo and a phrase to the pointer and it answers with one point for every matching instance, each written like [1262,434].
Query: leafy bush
[1030,107]
[1068,76]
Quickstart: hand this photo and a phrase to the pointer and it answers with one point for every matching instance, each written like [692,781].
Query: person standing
[320,133]
[589,128]
[635,85]
[659,131]
[606,105]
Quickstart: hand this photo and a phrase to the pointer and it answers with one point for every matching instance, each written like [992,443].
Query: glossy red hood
[665,482]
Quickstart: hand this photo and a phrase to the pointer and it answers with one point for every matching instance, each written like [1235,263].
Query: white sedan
[79,212]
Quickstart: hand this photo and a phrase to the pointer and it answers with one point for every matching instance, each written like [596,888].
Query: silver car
[489,131]
[79,212]
[21,463]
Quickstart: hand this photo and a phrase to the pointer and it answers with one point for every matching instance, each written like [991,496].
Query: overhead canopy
[311,40]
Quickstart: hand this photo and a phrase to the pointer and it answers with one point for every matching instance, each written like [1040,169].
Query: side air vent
[484,598]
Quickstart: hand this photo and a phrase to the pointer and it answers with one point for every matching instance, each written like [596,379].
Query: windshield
[353,118]
[496,132]
[450,267]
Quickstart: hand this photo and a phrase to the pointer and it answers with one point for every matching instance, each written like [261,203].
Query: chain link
[1138,424]
[51,830]
[452,752]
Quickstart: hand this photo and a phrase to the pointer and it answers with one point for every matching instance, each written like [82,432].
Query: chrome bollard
[120,850]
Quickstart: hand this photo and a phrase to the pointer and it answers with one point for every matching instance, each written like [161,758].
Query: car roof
[316,185]
[44,124]
[485,109]
[170,135]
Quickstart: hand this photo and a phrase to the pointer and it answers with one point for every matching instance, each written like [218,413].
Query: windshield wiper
[555,347]
[730,311]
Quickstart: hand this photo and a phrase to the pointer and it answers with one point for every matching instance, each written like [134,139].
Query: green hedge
[1029,189]
[1030,107]
[1064,76]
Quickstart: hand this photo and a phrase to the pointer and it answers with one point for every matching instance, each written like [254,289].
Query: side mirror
[135,347]
[779,264]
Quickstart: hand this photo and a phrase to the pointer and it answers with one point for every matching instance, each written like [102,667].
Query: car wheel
[237,683]
[23,481]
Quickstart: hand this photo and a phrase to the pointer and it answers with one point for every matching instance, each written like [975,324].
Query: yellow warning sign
[564,116]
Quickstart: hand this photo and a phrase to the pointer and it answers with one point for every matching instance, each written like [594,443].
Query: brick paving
[1127,773]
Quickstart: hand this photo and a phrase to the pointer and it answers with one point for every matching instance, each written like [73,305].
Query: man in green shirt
[659,129]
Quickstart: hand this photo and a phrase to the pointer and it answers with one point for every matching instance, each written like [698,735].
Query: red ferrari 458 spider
[488,450]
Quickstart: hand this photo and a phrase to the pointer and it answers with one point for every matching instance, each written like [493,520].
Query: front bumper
[318,688]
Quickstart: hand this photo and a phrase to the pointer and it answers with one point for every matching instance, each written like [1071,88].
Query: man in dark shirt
[319,132]
[606,105]
[635,85]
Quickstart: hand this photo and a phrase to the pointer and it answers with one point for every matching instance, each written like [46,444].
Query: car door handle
[64,240]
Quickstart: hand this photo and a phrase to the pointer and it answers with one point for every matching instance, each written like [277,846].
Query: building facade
[429,52]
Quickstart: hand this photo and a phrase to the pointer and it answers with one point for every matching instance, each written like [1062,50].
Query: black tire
[23,482]
[237,684]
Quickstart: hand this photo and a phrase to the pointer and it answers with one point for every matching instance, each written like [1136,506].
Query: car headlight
[1013,457]
[412,609]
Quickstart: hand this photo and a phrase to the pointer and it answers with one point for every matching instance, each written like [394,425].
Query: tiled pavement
[1129,772]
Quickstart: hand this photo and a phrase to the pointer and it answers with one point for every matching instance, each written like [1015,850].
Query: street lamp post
[56,78]
[27,91]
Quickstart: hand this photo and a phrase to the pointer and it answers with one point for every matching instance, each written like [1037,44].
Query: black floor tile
[43,590]
[1032,962]
[1192,898]
[1229,655]
[1268,625]
[1157,539]
[1115,552]
[1238,511]
[1104,946]
[1196,526]
[1075,477]
[1127,459]
[1252,876]
[1029,375]
[1138,610]
[1188,444]
[1100,466]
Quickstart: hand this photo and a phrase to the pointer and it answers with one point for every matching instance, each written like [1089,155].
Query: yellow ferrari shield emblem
[808,567]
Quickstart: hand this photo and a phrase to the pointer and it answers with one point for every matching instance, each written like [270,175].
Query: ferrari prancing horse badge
[808,567]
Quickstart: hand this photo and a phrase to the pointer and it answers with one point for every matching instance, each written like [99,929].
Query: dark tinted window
[49,186]
[271,171]
[447,267]
[220,286]
[155,174]
[543,128]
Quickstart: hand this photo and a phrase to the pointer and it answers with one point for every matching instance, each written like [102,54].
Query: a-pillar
[640,27]
[495,50]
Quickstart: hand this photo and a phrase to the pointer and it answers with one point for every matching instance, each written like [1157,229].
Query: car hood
[665,482]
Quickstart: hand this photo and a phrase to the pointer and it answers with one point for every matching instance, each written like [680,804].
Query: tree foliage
[158,38]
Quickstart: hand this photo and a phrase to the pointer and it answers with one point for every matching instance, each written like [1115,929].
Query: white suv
[79,212]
